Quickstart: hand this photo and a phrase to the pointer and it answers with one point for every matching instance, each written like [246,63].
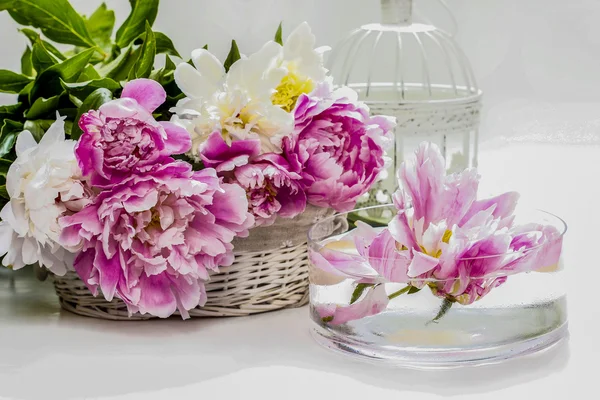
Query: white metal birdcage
[417,73]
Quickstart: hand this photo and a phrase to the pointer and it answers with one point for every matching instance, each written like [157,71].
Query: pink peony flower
[152,239]
[122,137]
[444,238]
[272,188]
[374,302]
[337,146]
[215,153]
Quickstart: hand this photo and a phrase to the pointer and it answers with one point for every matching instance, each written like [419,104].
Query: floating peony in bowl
[441,279]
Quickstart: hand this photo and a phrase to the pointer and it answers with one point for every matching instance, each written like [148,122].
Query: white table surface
[46,353]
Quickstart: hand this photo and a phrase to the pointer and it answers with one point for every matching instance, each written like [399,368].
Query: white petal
[29,251]
[208,65]
[299,48]
[17,217]
[299,40]
[55,133]
[13,178]
[25,141]
[13,257]
[6,237]
[254,73]
[192,83]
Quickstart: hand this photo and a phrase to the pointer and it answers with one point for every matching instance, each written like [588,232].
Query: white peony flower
[44,183]
[303,66]
[237,103]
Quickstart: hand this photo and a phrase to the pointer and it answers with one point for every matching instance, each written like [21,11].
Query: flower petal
[178,139]
[374,302]
[25,141]
[421,264]
[387,260]
[208,65]
[156,296]
[147,92]
[56,132]
[192,83]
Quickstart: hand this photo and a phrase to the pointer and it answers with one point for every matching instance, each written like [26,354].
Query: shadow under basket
[269,273]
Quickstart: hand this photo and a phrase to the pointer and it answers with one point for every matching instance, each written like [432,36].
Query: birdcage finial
[396,12]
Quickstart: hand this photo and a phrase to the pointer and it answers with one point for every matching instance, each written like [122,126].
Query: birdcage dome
[417,73]
[402,61]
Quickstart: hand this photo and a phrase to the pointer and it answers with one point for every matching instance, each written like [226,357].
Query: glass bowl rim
[559,223]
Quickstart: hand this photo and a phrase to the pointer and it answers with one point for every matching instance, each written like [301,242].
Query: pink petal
[340,264]
[178,140]
[402,232]
[156,296]
[148,93]
[502,206]
[374,302]
[84,266]
[421,264]
[109,270]
[386,260]
[188,294]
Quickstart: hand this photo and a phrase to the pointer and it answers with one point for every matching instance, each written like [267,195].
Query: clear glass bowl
[525,314]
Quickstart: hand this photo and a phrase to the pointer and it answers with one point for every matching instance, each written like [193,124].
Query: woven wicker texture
[269,279]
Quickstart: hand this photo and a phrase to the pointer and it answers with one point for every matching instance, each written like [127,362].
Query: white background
[537,62]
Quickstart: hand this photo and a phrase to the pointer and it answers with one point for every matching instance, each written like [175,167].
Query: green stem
[446,305]
[399,292]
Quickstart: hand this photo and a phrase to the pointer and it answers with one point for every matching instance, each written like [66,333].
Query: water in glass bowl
[525,314]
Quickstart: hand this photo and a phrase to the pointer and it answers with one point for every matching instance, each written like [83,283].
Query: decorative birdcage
[417,73]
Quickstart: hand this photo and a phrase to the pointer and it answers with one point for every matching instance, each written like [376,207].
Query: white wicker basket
[270,272]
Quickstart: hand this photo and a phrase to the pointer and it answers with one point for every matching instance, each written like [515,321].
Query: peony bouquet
[442,237]
[139,179]
[273,124]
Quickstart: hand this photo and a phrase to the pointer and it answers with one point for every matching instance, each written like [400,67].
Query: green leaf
[8,135]
[77,102]
[278,38]
[205,47]
[11,82]
[358,291]
[4,192]
[4,166]
[24,93]
[413,290]
[33,37]
[164,45]
[26,65]
[233,56]
[444,308]
[142,12]
[165,75]
[41,58]
[119,68]
[38,127]
[92,102]
[48,84]
[82,90]
[145,63]
[42,107]
[100,25]
[10,111]
[169,64]
[88,74]
[55,18]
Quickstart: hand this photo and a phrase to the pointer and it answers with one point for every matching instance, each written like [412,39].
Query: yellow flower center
[433,253]
[289,89]
[447,236]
